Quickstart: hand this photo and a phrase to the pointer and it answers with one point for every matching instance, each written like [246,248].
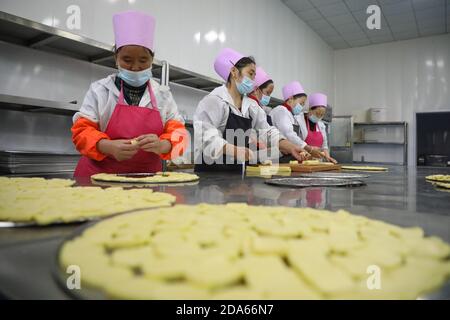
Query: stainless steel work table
[400,196]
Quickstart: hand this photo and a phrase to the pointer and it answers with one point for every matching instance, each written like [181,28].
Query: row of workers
[128,122]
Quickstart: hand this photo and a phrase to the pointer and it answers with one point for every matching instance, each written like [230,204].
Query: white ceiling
[342,23]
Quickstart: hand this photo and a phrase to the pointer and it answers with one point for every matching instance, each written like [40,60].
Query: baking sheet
[334,175]
[314,182]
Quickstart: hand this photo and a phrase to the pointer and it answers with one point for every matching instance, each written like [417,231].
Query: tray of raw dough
[334,175]
[148,178]
[28,202]
[314,182]
[238,252]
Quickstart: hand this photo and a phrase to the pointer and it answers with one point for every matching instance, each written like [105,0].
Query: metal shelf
[38,36]
[10,102]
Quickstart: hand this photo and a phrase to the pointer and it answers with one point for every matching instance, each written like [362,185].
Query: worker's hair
[265,84]
[241,64]
[298,96]
[116,51]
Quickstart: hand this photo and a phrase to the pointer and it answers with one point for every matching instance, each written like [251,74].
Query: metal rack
[403,144]
[31,34]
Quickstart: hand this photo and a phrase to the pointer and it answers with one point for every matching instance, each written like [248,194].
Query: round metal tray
[334,175]
[314,182]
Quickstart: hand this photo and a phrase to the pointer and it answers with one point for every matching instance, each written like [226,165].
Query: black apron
[269,120]
[234,122]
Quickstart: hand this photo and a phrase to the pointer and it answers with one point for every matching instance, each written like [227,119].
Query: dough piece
[439,177]
[294,162]
[236,251]
[311,162]
[364,168]
[269,170]
[443,185]
[167,177]
[134,142]
[267,163]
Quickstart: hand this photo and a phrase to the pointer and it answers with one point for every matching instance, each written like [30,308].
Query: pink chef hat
[318,99]
[134,28]
[225,61]
[261,77]
[292,89]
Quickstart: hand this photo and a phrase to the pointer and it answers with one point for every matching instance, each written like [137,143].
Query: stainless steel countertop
[400,196]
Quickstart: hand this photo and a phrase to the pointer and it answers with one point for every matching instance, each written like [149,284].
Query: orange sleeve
[178,136]
[85,135]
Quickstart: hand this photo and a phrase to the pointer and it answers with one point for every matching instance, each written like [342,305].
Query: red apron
[314,138]
[128,122]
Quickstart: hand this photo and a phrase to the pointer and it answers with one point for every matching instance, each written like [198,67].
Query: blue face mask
[314,118]
[298,109]
[265,100]
[135,78]
[246,86]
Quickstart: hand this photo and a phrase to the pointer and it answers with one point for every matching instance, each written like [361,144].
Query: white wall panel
[405,77]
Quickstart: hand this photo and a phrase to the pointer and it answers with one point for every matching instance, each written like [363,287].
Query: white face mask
[135,78]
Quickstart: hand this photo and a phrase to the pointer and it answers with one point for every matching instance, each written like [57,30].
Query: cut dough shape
[236,251]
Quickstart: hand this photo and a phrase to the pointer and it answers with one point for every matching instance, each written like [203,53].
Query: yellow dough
[236,251]
[166,177]
[443,185]
[439,177]
[311,162]
[268,170]
[32,183]
[364,168]
[293,162]
[134,142]
[54,201]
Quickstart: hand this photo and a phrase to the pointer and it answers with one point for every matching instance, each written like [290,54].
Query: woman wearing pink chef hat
[229,109]
[312,129]
[128,122]
[264,87]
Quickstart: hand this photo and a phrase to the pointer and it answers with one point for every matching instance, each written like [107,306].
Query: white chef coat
[211,117]
[284,120]
[102,97]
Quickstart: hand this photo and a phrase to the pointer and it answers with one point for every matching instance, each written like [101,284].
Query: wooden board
[311,168]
